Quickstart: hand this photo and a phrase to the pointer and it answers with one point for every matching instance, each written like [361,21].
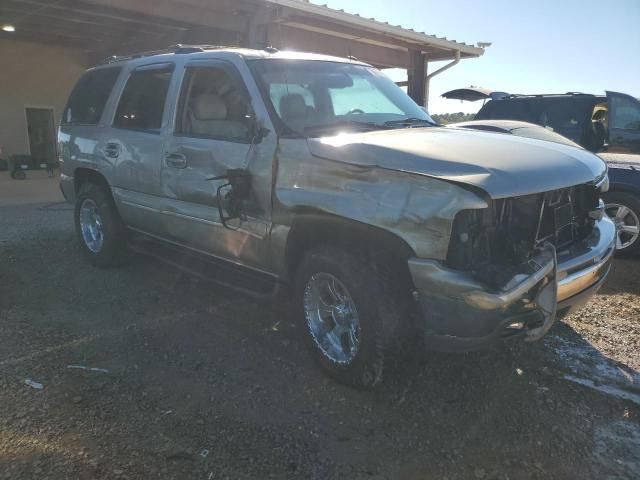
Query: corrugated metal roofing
[398,31]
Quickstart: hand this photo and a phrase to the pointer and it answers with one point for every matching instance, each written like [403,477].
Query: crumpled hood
[500,164]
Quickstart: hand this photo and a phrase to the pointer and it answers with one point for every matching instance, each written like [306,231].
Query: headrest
[600,115]
[292,106]
[208,106]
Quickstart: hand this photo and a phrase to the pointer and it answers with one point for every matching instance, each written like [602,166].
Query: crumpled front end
[513,267]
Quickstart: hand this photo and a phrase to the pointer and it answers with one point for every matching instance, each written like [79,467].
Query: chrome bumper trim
[579,267]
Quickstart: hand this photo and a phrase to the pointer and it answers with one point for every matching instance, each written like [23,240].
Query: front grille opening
[496,242]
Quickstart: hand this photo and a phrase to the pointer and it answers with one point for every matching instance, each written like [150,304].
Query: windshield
[313,98]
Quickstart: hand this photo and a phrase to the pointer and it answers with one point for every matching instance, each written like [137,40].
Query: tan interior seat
[294,111]
[207,116]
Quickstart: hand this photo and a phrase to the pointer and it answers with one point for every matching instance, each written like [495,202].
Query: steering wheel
[355,110]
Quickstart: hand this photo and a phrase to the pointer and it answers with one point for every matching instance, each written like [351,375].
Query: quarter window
[142,102]
[89,97]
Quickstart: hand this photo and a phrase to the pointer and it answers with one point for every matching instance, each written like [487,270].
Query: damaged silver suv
[321,175]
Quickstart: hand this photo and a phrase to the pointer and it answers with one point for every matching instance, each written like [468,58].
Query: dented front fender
[418,209]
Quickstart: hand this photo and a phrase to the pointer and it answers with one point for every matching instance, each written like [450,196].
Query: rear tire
[363,291]
[100,230]
[624,210]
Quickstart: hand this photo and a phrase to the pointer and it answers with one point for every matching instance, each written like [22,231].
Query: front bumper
[461,313]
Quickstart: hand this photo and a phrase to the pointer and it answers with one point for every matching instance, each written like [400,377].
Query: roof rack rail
[175,49]
[538,95]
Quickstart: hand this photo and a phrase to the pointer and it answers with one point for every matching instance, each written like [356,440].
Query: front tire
[348,313]
[99,228]
[624,209]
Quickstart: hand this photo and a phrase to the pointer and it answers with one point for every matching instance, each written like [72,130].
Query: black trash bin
[18,166]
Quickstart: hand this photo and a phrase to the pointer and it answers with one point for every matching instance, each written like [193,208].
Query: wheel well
[311,228]
[87,175]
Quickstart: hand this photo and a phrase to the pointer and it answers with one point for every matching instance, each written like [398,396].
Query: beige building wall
[33,75]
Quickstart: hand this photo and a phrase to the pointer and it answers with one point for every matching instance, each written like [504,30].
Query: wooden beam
[86,30]
[207,14]
[80,19]
[108,31]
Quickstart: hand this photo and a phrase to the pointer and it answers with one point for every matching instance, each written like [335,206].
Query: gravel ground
[199,382]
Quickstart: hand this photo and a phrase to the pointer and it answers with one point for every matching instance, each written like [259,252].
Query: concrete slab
[37,188]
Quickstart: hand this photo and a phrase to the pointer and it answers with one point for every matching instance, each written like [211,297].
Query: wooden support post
[416,74]
[255,35]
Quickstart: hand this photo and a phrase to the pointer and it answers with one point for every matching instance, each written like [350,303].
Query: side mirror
[232,194]
[257,131]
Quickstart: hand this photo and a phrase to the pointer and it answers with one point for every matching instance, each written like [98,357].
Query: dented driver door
[214,133]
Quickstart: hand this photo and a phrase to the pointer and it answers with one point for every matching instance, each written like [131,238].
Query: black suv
[596,122]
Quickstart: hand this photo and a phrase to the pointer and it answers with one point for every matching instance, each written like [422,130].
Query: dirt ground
[195,381]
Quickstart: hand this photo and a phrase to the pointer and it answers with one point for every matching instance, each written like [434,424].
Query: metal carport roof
[106,27]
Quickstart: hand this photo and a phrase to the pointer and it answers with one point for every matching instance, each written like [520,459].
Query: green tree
[447,118]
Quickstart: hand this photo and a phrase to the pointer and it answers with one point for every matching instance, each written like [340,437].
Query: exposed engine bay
[499,242]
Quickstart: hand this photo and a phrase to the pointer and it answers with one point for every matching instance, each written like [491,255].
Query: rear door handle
[176,160]
[112,150]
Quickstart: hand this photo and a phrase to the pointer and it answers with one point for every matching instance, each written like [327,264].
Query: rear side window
[142,102]
[625,113]
[89,97]
[565,116]
[508,110]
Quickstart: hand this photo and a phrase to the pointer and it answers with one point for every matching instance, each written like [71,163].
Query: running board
[211,269]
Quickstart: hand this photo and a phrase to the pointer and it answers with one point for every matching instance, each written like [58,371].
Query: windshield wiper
[409,121]
[346,123]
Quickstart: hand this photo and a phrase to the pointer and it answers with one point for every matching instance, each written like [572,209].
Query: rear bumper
[461,313]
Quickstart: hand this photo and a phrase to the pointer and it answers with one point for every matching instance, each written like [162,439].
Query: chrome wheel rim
[627,224]
[332,318]
[91,225]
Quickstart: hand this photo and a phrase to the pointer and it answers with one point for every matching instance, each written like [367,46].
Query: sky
[538,46]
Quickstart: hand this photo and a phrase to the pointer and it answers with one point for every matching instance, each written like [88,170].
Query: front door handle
[112,150]
[176,160]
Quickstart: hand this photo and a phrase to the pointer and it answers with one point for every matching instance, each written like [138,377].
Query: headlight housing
[602,184]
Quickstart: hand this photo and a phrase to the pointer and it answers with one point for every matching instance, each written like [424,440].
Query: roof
[206,50]
[392,31]
[533,96]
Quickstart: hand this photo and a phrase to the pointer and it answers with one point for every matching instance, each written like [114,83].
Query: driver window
[626,114]
[213,106]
